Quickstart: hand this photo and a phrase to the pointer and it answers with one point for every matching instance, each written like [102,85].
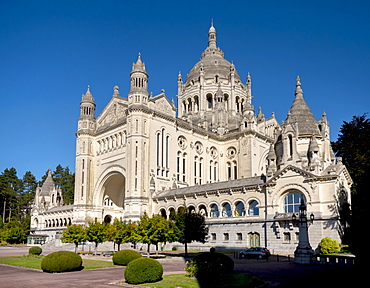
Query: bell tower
[84,150]
[137,181]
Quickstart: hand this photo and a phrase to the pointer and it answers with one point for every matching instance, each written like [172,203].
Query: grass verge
[226,281]
[35,263]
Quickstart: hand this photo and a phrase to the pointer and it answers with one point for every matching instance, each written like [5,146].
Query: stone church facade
[213,154]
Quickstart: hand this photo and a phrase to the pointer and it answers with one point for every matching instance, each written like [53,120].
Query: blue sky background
[50,51]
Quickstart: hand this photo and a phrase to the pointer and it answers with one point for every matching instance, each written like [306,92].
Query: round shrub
[143,270]
[61,261]
[124,257]
[329,246]
[211,263]
[35,250]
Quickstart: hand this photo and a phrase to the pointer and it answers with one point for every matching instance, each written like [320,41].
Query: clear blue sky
[50,51]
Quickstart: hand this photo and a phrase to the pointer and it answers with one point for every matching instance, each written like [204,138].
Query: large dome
[212,64]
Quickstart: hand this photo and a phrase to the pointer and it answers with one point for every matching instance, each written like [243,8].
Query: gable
[161,104]
[113,113]
[290,171]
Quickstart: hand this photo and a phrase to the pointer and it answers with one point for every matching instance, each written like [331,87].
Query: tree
[10,186]
[353,146]
[190,227]
[152,230]
[74,234]
[96,232]
[14,232]
[121,232]
[27,195]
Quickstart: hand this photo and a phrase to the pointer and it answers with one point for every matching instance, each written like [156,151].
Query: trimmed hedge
[35,250]
[124,257]
[143,270]
[61,261]
[210,263]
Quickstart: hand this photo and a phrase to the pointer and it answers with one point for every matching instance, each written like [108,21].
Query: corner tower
[137,182]
[84,150]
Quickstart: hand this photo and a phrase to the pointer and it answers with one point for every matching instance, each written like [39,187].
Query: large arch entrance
[114,190]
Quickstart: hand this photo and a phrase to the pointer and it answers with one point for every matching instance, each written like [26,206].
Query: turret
[212,37]
[138,94]
[86,122]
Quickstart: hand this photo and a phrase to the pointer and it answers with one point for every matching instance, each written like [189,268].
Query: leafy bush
[329,246]
[210,263]
[143,270]
[124,257]
[61,261]
[35,250]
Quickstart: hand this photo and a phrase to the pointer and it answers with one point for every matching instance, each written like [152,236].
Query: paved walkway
[276,274]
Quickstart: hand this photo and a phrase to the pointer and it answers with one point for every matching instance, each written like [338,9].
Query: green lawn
[226,281]
[35,263]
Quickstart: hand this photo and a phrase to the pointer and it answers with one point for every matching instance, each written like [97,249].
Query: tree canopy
[353,146]
[190,227]
[17,196]
[74,234]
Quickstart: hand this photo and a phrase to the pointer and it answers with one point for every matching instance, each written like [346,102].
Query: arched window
[239,209]
[253,209]
[290,146]
[184,167]
[191,209]
[196,104]
[178,163]
[203,210]
[162,153]
[163,213]
[228,169]
[292,201]
[172,213]
[226,210]
[238,104]
[210,101]
[181,209]
[254,239]
[214,211]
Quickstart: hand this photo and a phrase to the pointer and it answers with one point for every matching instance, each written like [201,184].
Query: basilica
[213,154]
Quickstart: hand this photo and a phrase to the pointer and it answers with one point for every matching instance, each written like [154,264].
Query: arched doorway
[113,190]
[108,219]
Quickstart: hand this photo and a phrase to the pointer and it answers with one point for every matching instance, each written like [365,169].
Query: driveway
[281,273]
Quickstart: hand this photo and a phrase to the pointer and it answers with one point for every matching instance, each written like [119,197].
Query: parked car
[255,252]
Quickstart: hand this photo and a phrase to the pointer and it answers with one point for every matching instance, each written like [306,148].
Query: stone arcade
[246,173]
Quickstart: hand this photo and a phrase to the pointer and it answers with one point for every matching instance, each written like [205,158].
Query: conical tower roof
[48,185]
[301,114]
